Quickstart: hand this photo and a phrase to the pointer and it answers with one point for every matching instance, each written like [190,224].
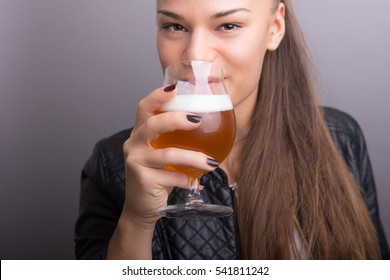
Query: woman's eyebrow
[170,14]
[229,12]
[215,16]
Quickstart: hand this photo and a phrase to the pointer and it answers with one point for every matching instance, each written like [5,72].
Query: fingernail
[194,118]
[169,88]
[212,162]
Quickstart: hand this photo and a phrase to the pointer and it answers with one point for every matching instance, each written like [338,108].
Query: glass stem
[194,195]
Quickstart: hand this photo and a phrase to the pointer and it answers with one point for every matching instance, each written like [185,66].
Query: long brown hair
[291,174]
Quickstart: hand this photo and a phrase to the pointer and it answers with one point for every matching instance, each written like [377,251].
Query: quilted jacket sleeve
[102,198]
[98,209]
[350,141]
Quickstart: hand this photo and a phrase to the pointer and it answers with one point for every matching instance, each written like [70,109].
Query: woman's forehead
[212,6]
[213,3]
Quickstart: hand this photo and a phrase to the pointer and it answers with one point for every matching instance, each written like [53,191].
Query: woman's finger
[178,157]
[165,122]
[148,106]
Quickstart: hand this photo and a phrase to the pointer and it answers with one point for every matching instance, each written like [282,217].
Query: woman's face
[235,34]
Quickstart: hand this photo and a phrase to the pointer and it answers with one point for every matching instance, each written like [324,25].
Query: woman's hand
[148,184]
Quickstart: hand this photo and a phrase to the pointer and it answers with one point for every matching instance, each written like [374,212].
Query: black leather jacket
[102,198]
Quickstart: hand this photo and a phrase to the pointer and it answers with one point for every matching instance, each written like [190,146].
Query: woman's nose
[199,47]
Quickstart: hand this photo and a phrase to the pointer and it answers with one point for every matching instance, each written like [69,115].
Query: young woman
[305,185]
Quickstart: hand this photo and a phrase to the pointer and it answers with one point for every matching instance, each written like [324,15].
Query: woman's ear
[276,28]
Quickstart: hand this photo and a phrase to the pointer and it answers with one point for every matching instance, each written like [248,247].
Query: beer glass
[201,91]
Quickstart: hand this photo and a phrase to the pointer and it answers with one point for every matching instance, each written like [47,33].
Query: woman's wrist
[129,221]
[132,239]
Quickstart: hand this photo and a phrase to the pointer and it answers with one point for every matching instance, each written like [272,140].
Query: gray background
[72,72]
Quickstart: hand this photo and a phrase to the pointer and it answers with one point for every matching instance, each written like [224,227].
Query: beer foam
[199,103]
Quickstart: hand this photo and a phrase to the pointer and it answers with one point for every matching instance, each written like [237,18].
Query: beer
[215,135]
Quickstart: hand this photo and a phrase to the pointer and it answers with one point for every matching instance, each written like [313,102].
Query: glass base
[195,211]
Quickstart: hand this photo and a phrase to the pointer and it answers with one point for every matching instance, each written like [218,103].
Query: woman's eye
[228,27]
[174,27]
